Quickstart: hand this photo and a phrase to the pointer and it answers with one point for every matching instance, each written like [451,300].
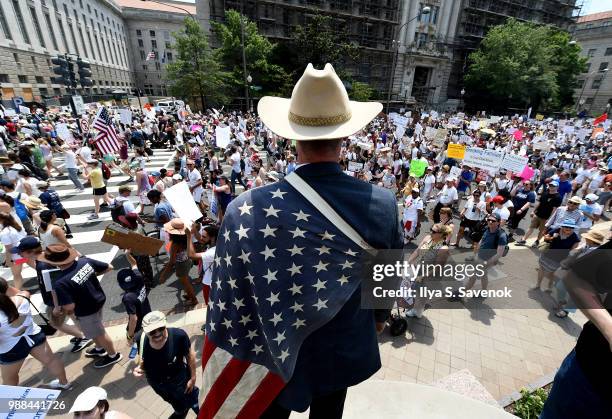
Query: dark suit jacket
[344,352]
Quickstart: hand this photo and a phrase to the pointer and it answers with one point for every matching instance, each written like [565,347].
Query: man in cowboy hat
[79,291]
[299,239]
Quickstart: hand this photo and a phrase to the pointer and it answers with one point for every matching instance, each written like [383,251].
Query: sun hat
[130,279]
[33,202]
[88,399]
[153,320]
[568,222]
[319,109]
[575,200]
[591,197]
[482,183]
[175,226]
[92,161]
[177,177]
[594,236]
[58,254]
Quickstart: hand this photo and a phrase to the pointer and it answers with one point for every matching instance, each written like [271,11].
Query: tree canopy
[196,69]
[524,64]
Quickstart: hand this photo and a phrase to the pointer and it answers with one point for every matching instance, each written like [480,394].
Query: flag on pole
[151,56]
[106,139]
[600,119]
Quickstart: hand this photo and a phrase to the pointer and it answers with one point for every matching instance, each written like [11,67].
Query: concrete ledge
[541,382]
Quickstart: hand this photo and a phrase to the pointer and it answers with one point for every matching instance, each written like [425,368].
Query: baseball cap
[498,199]
[495,215]
[155,173]
[554,184]
[6,184]
[27,243]
[568,222]
[591,197]
[153,320]
[129,279]
[88,399]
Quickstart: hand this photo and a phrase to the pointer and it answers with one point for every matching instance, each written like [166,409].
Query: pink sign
[527,173]
[518,135]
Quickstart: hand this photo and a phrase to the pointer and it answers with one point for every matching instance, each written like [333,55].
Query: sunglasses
[156,332]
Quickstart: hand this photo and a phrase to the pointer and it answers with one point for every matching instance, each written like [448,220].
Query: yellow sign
[539,117]
[455,151]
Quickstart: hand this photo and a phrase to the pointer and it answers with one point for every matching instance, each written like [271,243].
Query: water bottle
[133,351]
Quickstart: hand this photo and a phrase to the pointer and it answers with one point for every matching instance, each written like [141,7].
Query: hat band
[319,121]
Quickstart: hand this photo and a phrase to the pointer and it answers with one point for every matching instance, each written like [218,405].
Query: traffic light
[71,75]
[61,69]
[84,69]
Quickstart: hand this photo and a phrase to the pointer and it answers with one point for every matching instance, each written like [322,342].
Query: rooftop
[149,5]
[595,16]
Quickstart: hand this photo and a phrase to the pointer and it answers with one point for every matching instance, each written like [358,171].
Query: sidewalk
[505,349]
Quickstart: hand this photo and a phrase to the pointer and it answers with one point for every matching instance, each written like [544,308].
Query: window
[141,43]
[4,24]
[88,9]
[41,39]
[16,58]
[603,66]
[608,51]
[74,39]
[169,56]
[51,32]
[40,79]
[420,39]
[145,67]
[157,66]
[591,52]
[167,35]
[91,46]
[57,91]
[83,41]
[168,45]
[588,101]
[98,46]
[152,34]
[4,78]
[138,32]
[579,84]
[44,91]
[142,54]
[431,17]
[588,67]
[153,44]
[22,78]
[81,4]
[596,83]
[34,61]
[20,22]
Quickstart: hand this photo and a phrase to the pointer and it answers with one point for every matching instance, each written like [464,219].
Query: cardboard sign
[128,239]
[514,162]
[430,132]
[222,135]
[474,125]
[455,151]
[181,200]
[353,166]
[36,402]
[489,160]
[440,136]
[417,167]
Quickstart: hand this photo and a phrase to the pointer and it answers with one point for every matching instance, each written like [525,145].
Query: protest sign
[128,239]
[19,402]
[514,162]
[417,167]
[64,133]
[222,136]
[364,145]
[353,166]
[418,128]
[400,121]
[494,119]
[474,125]
[24,110]
[434,114]
[596,131]
[582,133]
[489,160]
[455,171]
[540,143]
[400,131]
[10,112]
[483,123]
[518,135]
[182,203]
[440,136]
[527,173]
[242,123]
[539,117]
[125,116]
[455,151]
[568,129]
[430,132]
[460,115]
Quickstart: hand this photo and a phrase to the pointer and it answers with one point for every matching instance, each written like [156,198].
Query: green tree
[196,69]
[322,40]
[523,64]
[272,78]
[360,92]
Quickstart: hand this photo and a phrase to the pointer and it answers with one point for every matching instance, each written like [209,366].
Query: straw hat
[58,254]
[175,226]
[319,109]
[594,236]
[33,203]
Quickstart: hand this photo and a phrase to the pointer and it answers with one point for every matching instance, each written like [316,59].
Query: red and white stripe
[106,140]
[233,388]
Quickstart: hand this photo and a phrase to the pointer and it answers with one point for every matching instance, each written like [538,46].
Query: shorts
[537,222]
[467,223]
[22,349]
[18,260]
[99,191]
[91,325]
[183,268]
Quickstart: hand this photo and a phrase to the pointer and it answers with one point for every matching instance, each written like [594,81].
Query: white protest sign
[474,125]
[182,202]
[418,129]
[514,163]
[10,112]
[606,124]
[440,137]
[242,123]
[430,132]
[434,114]
[64,133]
[399,131]
[489,160]
[37,402]
[125,116]
[582,133]
[392,116]
[364,145]
[400,121]
[494,119]
[24,109]
[222,135]
[455,171]
[353,166]
[568,129]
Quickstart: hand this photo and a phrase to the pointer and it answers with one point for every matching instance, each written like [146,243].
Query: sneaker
[81,344]
[74,340]
[535,244]
[521,242]
[56,385]
[93,216]
[106,360]
[69,236]
[95,352]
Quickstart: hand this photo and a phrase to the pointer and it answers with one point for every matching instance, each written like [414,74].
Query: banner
[353,166]
[455,151]
[417,167]
[514,162]
[489,160]
[222,135]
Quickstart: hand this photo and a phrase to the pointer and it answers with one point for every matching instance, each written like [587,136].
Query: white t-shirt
[208,258]
[85,152]
[448,195]
[582,175]
[194,177]
[475,212]
[70,160]
[503,212]
[412,207]
[235,162]
[10,236]
[596,180]
[593,209]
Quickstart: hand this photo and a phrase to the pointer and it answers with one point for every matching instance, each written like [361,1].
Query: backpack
[117,210]
[506,248]
[106,172]
[20,208]
[242,165]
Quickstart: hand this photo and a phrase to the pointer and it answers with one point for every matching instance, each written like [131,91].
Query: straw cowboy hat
[594,236]
[175,226]
[58,254]
[319,109]
[33,203]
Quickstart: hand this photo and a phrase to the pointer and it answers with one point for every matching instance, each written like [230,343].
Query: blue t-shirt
[79,285]
[522,197]
[490,242]
[565,186]
[163,209]
[464,181]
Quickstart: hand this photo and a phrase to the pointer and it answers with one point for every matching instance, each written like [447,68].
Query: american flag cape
[106,139]
[281,271]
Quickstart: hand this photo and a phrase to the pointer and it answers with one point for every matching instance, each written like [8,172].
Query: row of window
[591,52]
[4,78]
[152,34]
[167,44]
[114,45]
[602,67]
[167,57]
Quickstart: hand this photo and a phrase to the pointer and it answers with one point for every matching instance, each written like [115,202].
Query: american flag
[281,271]
[106,140]
[150,56]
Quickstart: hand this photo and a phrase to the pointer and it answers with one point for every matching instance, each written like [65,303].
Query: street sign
[84,122]
[78,105]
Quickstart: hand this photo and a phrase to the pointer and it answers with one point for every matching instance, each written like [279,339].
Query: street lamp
[249,80]
[462,102]
[605,71]
[424,11]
